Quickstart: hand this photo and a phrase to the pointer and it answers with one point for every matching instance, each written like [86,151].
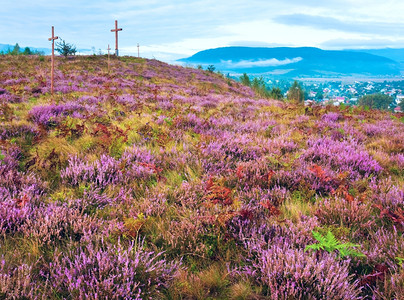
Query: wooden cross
[108,56]
[53,38]
[138,50]
[116,36]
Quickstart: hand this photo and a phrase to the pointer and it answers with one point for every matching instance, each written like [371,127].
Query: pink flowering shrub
[342,157]
[134,164]
[112,272]
[16,282]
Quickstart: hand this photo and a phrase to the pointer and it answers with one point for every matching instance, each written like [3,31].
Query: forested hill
[303,61]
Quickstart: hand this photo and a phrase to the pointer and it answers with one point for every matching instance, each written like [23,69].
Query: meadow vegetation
[154,181]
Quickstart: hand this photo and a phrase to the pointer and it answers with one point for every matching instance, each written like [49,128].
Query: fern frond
[318,236]
[314,247]
[330,244]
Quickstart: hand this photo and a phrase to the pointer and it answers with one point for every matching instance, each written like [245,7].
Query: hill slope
[154,181]
[392,53]
[305,61]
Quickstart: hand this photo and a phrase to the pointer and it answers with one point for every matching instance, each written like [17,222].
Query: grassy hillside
[163,182]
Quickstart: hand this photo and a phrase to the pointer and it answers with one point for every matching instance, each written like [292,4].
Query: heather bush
[331,117]
[341,156]
[110,272]
[386,193]
[26,131]
[289,273]
[57,222]
[100,173]
[51,115]
[50,224]
[10,98]
[15,184]
[107,170]
[383,247]
[352,214]
[17,282]
[13,215]
[220,155]
[393,288]
[284,270]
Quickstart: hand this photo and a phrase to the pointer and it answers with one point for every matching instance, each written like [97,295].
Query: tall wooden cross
[116,36]
[138,50]
[108,56]
[53,38]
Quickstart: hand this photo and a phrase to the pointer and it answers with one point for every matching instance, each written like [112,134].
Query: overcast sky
[167,29]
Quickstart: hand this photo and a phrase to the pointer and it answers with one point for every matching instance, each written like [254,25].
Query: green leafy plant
[330,243]
[400,261]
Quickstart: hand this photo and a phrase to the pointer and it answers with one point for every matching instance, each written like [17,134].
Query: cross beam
[116,37]
[53,38]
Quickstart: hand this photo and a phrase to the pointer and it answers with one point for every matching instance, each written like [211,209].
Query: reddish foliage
[342,191]
[220,219]
[108,135]
[218,194]
[269,176]
[273,211]
[246,214]
[397,216]
[378,274]
[64,130]
[209,184]
[53,160]
[156,170]
[319,172]
[265,180]
[21,202]
[239,172]
[155,90]
[30,163]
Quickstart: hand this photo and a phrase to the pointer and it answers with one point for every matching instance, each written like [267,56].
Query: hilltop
[299,61]
[157,181]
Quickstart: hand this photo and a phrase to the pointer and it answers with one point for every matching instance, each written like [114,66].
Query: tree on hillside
[27,51]
[211,68]
[259,86]
[296,93]
[65,49]
[16,50]
[378,101]
[244,79]
[276,93]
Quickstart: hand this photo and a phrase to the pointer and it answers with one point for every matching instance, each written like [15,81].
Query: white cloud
[273,62]
[363,43]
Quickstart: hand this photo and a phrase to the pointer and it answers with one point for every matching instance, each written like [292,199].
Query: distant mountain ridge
[394,54]
[46,51]
[300,61]
[6,47]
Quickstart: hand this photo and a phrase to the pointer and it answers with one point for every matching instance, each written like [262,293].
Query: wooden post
[108,56]
[116,37]
[53,38]
[138,50]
